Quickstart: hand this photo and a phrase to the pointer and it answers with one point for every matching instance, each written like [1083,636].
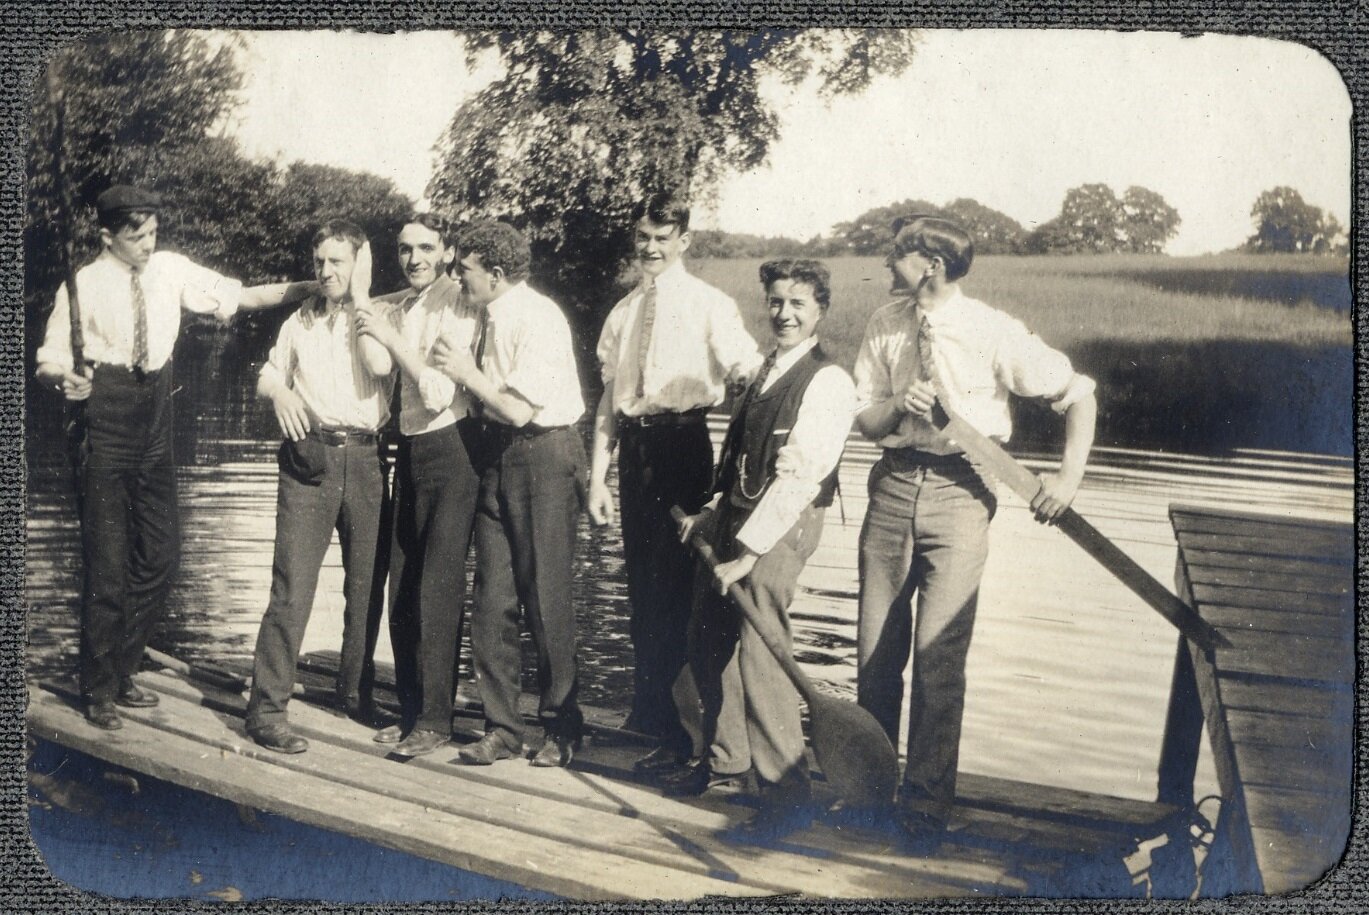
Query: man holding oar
[435,486]
[132,297]
[926,528]
[668,350]
[330,386]
[776,477]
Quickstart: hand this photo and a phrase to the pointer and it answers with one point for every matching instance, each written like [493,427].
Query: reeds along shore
[1198,354]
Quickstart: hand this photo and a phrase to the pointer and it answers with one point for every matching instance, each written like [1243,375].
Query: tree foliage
[1093,220]
[1284,222]
[581,125]
[993,232]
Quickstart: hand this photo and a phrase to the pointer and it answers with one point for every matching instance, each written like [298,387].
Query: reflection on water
[1046,629]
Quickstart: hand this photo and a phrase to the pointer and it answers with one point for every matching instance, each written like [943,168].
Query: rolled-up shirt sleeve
[1028,367]
[280,361]
[811,452]
[541,349]
[610,338]
[873,382]
[56,348]
[204,291]
[730,342]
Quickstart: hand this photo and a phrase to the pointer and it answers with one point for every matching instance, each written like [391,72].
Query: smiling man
[435,485]
[668,349]
[132,297]
[330,388]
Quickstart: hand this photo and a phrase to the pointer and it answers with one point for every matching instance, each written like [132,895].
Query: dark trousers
[531,493]
[434,509]
[126,486]
[346,500]
[660,467]
[750,707]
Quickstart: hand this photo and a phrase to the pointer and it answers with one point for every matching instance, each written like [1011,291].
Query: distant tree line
[1284,222]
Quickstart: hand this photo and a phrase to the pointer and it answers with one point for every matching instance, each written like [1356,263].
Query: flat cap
[127,197]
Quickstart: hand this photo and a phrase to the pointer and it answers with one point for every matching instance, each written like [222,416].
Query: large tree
[1148,221]
[1284,222]
[1094,220]
[871,232]
[582,124]
[993,232]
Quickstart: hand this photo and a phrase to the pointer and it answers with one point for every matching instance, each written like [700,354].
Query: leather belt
[340,437]
[652,420]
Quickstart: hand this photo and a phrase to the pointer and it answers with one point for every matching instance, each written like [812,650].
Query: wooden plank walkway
[1278,704]
[591,831]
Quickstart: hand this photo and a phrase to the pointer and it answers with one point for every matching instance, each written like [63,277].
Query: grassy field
[1200,354]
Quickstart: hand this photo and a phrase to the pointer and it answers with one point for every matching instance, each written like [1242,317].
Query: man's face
[422,255]
[794,312]
[133,246]
[480,284]
[333,263]
[909,270]
[659,246]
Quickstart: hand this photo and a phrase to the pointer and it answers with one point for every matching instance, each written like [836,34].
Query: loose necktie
[644,339]
[767,365]
[926,356]
[140,357]
[479,347]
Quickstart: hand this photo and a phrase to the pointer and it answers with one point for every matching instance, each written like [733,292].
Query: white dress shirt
[316,355]
[528,351]
[982,355]
[809,454]
[698,345]
[433,401]
[171,282]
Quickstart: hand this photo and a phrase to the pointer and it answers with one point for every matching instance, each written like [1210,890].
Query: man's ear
[106,237]
[496,275]
[685,238]
[448,258]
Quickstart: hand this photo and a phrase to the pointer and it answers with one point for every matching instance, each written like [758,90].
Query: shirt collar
[787,361]
[673,275]
[510,297]
[432,290]
[110,258]
[944,312]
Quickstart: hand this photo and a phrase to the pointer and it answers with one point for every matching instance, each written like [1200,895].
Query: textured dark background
[30,30]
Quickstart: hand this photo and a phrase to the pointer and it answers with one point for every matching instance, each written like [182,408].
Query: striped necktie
[926,356]
[140,357]
[644,339]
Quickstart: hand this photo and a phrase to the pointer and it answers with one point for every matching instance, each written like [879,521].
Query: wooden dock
[592,831]
[1278,703]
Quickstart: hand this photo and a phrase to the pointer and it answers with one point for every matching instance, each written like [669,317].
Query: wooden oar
[989,455]
[851,748]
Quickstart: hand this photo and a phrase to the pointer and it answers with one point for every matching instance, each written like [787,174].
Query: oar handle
[991,456]
[758,620]
[222,679]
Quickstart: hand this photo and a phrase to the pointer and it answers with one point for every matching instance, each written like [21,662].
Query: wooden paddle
[989,455]
[851,748]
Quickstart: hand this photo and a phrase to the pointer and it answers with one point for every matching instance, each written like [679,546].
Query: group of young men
[481,370]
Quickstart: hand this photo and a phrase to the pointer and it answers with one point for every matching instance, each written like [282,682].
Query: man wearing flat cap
[131,300]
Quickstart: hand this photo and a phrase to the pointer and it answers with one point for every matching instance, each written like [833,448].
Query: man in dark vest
[776,477]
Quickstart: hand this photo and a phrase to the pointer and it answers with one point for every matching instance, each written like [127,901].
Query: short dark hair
[341,229]
[932,236]
[435,222]
[665,208]
[498,244]
[117,220]
[800,270]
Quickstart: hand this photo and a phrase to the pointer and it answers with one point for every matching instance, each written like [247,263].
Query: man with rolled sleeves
[523,377]
[668,350]
[435,486]
[329,386]
[131,300]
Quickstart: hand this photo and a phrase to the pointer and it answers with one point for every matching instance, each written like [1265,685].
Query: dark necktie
[926,356]
[140,357]
[644,340]
[767,366]
[478,348]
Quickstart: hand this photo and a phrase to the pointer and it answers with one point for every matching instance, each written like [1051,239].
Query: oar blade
[853,752]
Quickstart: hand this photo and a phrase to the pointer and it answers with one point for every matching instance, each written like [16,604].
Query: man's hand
[360,286]
[726,574]
[377,326]
[686,526]
[919,399]
[291,413]
[600,503]
[454,360]
[76,386]
[1051,500]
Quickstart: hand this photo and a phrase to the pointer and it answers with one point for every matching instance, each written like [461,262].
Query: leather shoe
[392,734]
[104,716]
[280,738]
[771,822]
[555,752]
[699,778]
[488,750]
[659,761]
[420,742]
[922,833]
[130,696]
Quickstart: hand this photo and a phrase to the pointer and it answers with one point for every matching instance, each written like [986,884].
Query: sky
[1011,118]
